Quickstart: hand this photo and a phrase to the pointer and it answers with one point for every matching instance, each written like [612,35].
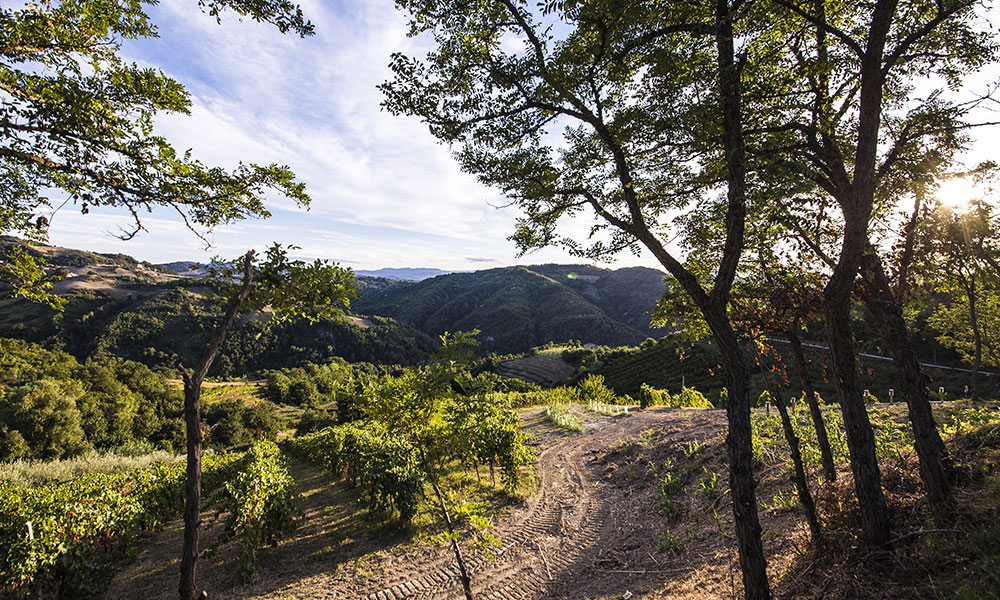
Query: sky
[384,192]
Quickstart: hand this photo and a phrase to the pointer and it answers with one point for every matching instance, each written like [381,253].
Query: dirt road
[594,528]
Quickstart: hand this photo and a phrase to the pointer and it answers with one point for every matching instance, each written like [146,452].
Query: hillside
[628,294]
[520,307]
[148,313]
[152,313]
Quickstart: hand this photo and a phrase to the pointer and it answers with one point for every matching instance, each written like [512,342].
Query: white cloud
[385,193]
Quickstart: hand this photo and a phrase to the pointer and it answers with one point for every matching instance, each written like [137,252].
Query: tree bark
[739,447]
[887,315]
[826,453]
[192,417]
[860,437]
[799,473]
[463,573]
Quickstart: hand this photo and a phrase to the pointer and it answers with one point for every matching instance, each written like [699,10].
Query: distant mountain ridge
[137,310]
[403,273]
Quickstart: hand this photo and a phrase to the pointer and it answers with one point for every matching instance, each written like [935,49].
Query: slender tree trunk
[463,573]
[909,239]
[887,315]
[969,283]
[826,453]
[738,439]
[799,474]
[856,203]
[192,417]
[192,488]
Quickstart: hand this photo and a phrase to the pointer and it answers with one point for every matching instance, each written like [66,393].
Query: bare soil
[595,527]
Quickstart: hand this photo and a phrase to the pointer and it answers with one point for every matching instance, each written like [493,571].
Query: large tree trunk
[799,469]
[826,453]
[860,437]
[888,317]
[739,447]
[192,417]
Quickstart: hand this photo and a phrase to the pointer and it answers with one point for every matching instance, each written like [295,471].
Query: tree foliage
[78,118]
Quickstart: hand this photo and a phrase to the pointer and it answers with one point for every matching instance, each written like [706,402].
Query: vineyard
[59,538]
[542,369]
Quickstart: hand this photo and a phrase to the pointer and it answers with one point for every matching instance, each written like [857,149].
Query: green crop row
[385,466]
[59,535]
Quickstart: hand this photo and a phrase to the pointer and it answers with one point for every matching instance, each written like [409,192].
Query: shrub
[260,502]
[593,388]
[384,466]
[315,419]
[687,398]
[277,387]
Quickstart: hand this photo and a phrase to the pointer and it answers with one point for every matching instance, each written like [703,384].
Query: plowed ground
[596,526]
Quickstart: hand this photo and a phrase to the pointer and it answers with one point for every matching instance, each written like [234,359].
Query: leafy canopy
[288,288]
[76,123]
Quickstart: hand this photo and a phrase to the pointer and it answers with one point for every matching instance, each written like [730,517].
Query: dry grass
[28,473]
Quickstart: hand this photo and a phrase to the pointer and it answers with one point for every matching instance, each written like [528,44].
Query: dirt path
[591,529]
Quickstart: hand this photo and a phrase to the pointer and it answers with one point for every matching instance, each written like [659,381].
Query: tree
[856,131]
[649,99]
[44,416]
[77,118]
[955,249]
[288,289]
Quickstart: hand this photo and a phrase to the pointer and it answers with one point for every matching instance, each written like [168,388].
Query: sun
[957,192]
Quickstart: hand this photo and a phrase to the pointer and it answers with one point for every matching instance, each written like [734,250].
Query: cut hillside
[515,308]
[545,368]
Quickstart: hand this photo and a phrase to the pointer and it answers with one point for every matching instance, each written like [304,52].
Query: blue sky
[385,193]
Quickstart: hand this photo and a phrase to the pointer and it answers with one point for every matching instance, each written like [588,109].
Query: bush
[45,417]
[277,387]
[315,419]
[593,388]
[260,502]
[384,466]
[302,393]
[233,422]
[687,398]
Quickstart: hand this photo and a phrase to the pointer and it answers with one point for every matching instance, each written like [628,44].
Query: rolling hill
[517,308]
[159,313]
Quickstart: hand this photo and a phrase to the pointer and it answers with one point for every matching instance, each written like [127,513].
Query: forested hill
[149,313]
[153,314]
[516,308]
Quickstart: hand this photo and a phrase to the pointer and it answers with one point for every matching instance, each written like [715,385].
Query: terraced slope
[545,370]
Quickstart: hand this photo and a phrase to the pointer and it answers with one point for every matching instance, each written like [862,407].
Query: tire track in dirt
[542,542]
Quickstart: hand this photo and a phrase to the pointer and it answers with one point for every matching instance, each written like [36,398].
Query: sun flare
[957,192]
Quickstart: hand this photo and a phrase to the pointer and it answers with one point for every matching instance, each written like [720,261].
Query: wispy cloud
[384,191]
